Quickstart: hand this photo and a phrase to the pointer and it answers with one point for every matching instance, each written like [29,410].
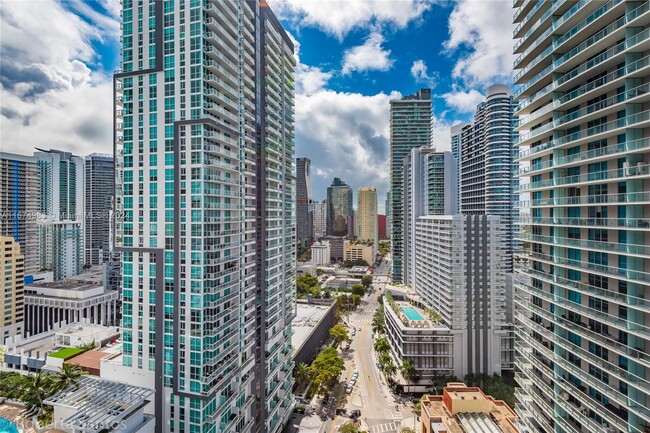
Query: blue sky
[354,56]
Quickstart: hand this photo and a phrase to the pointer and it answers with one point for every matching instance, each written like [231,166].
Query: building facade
[487,162]
[213,232]
[583,281]
[61,194]
[304,218]
[61,248]
[99,187]
[19,187]
[410,128]
[353,251]
[319,216]
[321,253]
[12,289]
[340,215]
[367,216]
[381,226]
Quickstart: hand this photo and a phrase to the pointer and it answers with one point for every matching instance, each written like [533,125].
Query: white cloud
[421,75]
[480,33]
[369,56]
[463,101]
[50,96]
[338,17]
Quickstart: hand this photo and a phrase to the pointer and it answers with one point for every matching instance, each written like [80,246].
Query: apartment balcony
[221,59]
[610,199]
[642,251]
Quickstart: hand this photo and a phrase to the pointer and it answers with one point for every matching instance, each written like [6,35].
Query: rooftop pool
[7,426]
[412,313]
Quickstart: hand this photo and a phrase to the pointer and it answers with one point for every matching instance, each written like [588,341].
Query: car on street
[359,328]
[326,400]
[378,365]
[355,414]
[348,389]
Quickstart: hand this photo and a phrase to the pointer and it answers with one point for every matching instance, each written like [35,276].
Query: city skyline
[79,68]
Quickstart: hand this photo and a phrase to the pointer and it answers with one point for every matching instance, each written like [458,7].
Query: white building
[321,253]
[319,212]
[61,248]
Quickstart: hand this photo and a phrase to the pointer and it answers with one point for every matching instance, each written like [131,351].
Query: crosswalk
[397,416]
[384,428]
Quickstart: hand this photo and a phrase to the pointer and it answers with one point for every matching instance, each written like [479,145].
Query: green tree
[69,375]
[358,289]
[37,389]
[339,333]
[326,370]
[407,430]
[301,373]
[408,371]
[382,345]
[348,427]
[366,281]
[355,300]
[387,365]
[378,321]
[304,284]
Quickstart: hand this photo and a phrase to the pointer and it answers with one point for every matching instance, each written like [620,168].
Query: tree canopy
[340,333]
[366,281]
[326,370]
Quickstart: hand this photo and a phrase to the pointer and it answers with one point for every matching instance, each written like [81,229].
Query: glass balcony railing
[626,198]
[628,223]
[640,250]
[609,175]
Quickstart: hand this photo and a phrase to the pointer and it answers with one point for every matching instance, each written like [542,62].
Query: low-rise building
[336,246]
[468,410]
[358,251]
[311,326]
[321,253]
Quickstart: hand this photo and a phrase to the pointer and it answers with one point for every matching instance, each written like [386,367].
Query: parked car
[355,414]
[348,389]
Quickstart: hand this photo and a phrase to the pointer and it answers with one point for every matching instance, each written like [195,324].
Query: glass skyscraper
[204,150]
[582,282]
[339,209]
[410,128]
[304,216]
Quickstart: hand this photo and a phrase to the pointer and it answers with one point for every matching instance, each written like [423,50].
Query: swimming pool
[7,426]
[412,313]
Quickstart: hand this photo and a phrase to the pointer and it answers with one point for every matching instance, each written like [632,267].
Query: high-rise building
[304,224]
[205,158]
[410,128]
[61,248]
[19,188]
[99,185]
[61,195]
[582,283]
[319,214]
[340,214]
[11,291]
[381,226]
[456,140]
[487,161]
[429,188]
[387,205]
[367,215]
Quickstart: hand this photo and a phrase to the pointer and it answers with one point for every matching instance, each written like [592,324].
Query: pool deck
[12,413]
[412,313]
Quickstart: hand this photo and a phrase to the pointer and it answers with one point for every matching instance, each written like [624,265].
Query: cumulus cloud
[480,34]
[463,101]
[50,95]
[369,56]
[421,75]
[338,17]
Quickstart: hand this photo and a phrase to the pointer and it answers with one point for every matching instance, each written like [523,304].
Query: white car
[348,390]
[359,328]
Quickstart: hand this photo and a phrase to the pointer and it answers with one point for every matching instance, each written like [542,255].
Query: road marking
[363,362]
[333,424]
[384,428]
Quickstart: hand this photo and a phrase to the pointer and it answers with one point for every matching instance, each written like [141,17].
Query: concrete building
[11,291]
[321,253]
[429,188]
[358,251]
[319,216]
[19,188]
[61,195]
[311,327]
[99,187]
[61,248]
[487,162]
[340,214]
[410,128]
[456,141]
[381,226]
[367,215]
[336,246]
[583,282]
[304,218]
[469,410]
[214,230]
[389,227]
[70,301]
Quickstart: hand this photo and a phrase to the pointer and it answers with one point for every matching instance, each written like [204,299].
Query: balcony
[611,199]
[583,244]
[641,170]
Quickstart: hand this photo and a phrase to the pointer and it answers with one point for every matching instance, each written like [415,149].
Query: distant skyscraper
[99,184]
[61,248]
[11,290]
[304,225]
[61,185]
[19,192]
[410,128]
[206,184]
[582,283]
[381,226]
[319,214]
[487,162]
[367,214]
[340,215]
[456,141]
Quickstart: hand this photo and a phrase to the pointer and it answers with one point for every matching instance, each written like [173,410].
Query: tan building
[463,409]
[355,251]
[12,263]
[367,215]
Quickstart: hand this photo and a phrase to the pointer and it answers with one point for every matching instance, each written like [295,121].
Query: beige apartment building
[11,291]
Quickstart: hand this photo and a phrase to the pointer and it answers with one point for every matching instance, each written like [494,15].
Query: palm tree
[37,389]
[301,373]
[378,324]
[408,371]
[69,375]
[389,368]
[382,345]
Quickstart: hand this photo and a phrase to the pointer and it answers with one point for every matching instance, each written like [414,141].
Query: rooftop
[462,409]
[99,404]
[307,317]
